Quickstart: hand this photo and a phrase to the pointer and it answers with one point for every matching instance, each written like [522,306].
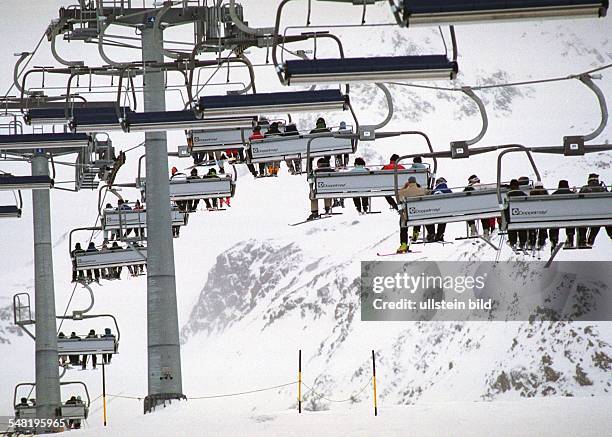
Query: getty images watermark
[508,291]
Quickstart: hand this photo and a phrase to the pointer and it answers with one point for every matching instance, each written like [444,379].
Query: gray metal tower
[47,371]
[164,355]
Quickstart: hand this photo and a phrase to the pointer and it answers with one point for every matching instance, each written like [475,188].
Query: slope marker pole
[374,382]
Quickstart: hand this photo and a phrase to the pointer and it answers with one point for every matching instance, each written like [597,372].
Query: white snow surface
[252,290]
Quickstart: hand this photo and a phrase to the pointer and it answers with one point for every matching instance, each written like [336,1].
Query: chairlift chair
[440,12]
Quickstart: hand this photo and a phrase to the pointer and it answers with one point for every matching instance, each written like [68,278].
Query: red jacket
[256,136]
[392,165]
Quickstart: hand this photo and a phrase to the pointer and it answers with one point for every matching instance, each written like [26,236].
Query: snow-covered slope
[252,290]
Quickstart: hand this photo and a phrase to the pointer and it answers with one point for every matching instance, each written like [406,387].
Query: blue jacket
[441,189]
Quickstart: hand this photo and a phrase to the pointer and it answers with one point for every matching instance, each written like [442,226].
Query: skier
[177,175]
[361,203]
[212,173]
[391,166]
[563,188]
[474,184]
[294,165]
[342,160]
[257,135]
[593,186]
[77,250]
[410,189]
[94,358]
[73,359]
[274,166]
[322,167]
[192,204]
[522,234]
[106,358]
[63,359]
[417,163]
[537,237]
[433,234]
[91,248]
[115,272]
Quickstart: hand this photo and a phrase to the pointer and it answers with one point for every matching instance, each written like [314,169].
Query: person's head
[212,171]
[538,184]
[322,162]
[115,244]
[73,398]
[24,400]
[61,334]
[174,170]
[593,179]
[359,162]
[342,125]
[107,330]
[73,334]
[412,180]
[108,205]
[417,160]
[92,332]
[440,180]
[514,184]
[473,179]
[523,180]
[120,202]
[563,183]
[394,158]
[77,246]
[257,128]
[194,172]
[321,122]
[91,245]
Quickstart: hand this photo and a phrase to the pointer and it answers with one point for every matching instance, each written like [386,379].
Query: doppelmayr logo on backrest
[322,184]
[415,210]
[518,211]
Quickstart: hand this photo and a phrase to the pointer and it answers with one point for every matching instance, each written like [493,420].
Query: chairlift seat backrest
[97,119]
[9,211]
[43,141]
[216,140]
[317,100]
[280,147]
[449,12]
[384,68]
[452,207]
[130,219]
[74,411]
[560,211]
[207,188]
[373,183]
[111,258]
[86,346]
[10,182]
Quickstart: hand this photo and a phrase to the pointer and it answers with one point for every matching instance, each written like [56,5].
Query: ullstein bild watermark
[481,291]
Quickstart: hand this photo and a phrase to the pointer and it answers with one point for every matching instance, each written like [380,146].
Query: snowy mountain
[252,291]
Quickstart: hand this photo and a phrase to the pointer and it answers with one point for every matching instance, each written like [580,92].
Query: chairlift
[369,70]
[10,182]
[13,210]
[439,12]
[43,141]
[370,183]
[280,102]
[284,146]
[25,414]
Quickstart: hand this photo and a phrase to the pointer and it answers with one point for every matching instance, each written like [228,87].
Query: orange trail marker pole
[300,381]
[374,382]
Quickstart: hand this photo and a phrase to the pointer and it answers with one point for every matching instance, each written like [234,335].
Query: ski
[321,217]
[396,253]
